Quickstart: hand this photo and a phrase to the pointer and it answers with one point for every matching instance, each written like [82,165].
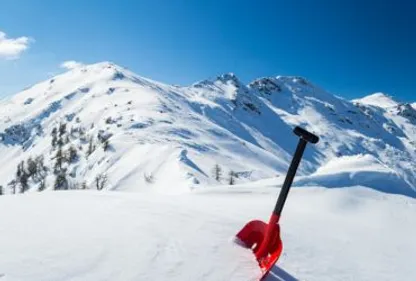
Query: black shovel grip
[304,138]
[309,137]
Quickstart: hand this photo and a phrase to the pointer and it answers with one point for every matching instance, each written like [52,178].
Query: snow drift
[363,170]
[349,234]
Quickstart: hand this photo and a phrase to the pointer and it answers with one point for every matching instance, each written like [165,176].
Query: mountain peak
[108,65]
[266,85]
[150,125]
[407,110]
[225,79]
[100,66]
[103,64]
[378,99]
[229,77]
[293,79]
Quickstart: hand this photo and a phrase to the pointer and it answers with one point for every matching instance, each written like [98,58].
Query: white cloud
[12,48]
[71,64]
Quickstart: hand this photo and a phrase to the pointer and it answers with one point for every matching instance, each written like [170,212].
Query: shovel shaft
[289,177]
[271,233]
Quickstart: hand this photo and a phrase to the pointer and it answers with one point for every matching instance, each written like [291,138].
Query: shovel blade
[264,240]
[252,234]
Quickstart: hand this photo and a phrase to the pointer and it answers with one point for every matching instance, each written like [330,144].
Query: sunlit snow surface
[329,234]
[180,225]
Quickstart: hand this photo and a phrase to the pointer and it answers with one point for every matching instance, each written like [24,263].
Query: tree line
[217,173]
[33,172]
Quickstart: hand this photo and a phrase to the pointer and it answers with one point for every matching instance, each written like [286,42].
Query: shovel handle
[304,138]
[309,137]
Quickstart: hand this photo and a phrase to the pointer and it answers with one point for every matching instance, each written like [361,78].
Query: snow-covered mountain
[379,100]
[103,125]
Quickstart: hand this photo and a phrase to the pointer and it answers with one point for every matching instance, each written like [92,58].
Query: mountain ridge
[245,128]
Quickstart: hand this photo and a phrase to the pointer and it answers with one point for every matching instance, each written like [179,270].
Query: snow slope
[329,235]
[378,99]
[363,170]
[167,217]
[162,134]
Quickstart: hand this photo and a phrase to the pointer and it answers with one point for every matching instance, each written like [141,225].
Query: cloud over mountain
[71,64]
[12,48]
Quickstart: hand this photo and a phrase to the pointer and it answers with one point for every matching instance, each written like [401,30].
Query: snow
[243,128]
[354,170]
[378,99]
[328,234]
[163,216]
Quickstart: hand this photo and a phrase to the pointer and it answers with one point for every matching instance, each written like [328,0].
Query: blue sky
[349,47]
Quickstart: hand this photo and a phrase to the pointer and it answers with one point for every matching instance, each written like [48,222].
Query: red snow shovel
[262,238]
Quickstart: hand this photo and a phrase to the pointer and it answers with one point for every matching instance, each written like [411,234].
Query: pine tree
[22,177]
[72,154]
[91,146]
[62,129]
[101,181]
[61,135]
[13,186]
[61,182]
[54,141]
[231,177]
[42,185]
[54,137]
[217,172]
[41,172]
[41,168]
[19,171]
[59,158]
[60,142]
[32,167]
